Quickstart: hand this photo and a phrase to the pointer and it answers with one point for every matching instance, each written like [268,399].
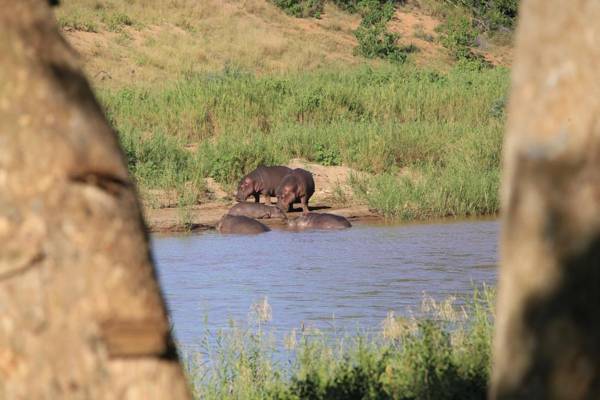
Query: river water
[340,280]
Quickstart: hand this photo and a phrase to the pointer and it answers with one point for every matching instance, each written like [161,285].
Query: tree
[81,314]
[547,341]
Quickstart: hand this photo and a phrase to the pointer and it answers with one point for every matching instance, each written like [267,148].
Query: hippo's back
[241,225]
[301,177]
[255,210]
[320,221]
[270,177]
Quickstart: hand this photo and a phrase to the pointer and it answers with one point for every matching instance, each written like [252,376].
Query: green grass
[443,354]
[431,139]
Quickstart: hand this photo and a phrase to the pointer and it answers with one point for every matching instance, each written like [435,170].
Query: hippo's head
[245,189]
[285,196]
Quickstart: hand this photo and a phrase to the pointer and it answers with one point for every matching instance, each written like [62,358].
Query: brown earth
[166,41]
[206,216]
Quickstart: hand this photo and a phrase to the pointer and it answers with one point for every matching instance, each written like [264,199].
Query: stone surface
[81,313]
[547,341]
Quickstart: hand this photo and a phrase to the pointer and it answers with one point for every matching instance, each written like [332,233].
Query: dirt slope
[123,43]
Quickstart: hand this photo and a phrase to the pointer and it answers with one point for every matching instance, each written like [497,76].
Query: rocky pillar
[547,343]
[81,313]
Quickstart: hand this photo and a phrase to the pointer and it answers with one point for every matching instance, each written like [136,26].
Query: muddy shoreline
[206,216]
[168,221]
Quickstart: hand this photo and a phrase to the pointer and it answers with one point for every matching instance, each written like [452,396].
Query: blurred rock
[81,313]
[548,325]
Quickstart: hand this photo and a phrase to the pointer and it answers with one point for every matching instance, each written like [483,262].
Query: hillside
[200,93]
[156,41]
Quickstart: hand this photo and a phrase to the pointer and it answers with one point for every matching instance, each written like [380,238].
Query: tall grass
[443,354]
[431,139]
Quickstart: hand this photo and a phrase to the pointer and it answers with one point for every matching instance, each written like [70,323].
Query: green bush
[116,21]
[326,155]
[458,36]
[374,41]
[301,8]
[493,14]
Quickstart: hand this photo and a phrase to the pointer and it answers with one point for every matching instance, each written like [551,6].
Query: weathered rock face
[81,314]
[547,341]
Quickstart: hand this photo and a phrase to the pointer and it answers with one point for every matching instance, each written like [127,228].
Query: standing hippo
[263,180]
[319,221]
[298,185]
[240,224]
[255,210]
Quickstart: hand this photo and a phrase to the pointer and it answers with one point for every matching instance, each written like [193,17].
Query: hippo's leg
[267,199]
[304,202]
[257,198]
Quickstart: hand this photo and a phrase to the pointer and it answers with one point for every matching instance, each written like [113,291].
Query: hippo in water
[319,221]
[240,224]
[255,210]
[263,180]
[298,185]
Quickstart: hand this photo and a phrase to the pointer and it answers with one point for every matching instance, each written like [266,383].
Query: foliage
[301,8]
[458,36]
[116,21]
[374,41]
[492,14]
[326,155]
[443,354]
[432,138]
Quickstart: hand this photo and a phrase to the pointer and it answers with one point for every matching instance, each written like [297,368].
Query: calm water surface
[345,279]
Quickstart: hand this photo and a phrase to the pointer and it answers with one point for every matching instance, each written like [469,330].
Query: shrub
[458,35]
[115,22]
[301,8]
[492,14]
[374,41]
[326,155]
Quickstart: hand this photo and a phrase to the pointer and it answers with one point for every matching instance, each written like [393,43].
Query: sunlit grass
[431,140]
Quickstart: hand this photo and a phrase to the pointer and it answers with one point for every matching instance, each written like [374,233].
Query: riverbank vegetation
[442,354]
[428,141]
[194,98]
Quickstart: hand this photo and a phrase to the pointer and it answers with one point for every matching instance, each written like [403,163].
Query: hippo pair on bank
[245,225]
[288,185]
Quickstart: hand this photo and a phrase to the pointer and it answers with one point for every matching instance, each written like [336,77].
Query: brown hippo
[254,210]
[263,180]
[298,185]
[319,221]
[240,224]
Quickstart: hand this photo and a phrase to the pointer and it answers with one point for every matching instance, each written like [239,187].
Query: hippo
[263,180]
[254,210]
[298,185]
[240,224]
[319,221]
